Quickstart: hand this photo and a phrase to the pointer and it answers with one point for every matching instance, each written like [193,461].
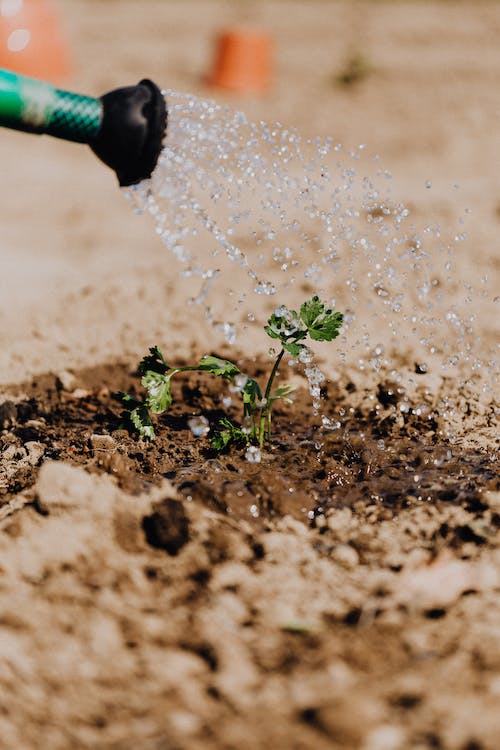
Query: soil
[184,595]
[378,454]
[343,593]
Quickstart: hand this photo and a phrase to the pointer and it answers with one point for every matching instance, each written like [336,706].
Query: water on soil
[382,457]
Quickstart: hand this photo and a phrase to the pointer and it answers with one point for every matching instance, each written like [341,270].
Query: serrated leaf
[281,326]
[328,328]
[251,392]
[271,331]
[221,439]
[310,310]
[293,347]
[218,366]
[229,433]
[322,323]
[127,398]
[142,422]
[282,392]
[159,395]
[154,361]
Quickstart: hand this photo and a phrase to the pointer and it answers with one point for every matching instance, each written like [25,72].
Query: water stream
[257,215]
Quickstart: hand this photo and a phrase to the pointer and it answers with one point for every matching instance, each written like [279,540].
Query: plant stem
[266,411]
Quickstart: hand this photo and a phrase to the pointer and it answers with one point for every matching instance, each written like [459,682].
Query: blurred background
[414,81]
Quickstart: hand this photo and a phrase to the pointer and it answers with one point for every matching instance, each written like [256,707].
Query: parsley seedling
[289,327]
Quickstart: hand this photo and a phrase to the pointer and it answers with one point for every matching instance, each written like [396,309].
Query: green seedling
[290,328]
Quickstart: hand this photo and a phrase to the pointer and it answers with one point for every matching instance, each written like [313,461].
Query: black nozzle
[132,129]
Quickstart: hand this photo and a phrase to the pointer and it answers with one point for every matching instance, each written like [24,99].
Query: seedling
[289,327]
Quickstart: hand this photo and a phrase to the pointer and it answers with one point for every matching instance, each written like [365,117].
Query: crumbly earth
[342,593]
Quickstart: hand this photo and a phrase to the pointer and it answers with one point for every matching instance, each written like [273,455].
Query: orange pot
[243,61]
[32,41]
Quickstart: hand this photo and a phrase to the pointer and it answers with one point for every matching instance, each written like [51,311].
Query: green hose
[125,128]
[38,107]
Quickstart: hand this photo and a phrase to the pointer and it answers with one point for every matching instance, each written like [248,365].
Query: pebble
[35,451]
[492,499]
[11,452]
[345,555]
[102,442]
[66,380]
[8,414]
[386,737]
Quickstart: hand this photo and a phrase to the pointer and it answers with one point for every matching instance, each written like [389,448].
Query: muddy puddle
[381,456]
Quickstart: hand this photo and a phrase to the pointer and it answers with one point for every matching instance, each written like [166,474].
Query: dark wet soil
[380,454]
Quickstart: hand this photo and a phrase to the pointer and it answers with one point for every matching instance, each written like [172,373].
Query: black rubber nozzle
[133,126]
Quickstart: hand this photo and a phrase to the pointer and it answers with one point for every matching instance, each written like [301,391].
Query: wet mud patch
[385,452]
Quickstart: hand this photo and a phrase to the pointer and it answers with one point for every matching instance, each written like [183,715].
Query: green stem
[266,411]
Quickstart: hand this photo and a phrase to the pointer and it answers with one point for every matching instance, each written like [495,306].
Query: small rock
[491,498]
[167,527]
[66,380]
[345,555]
[102,442]
[8,414]
[114,463]
[80,393]
[12,452]
[36,424]
[35,451]
[437,585]
[386,737]
[61,485]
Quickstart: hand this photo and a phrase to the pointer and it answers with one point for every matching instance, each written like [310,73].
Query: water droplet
[441,455]
[306,355]
[199,426]
[330,424]
[421,368]
[240,381]
[253,454]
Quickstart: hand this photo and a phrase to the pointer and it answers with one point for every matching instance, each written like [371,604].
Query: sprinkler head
[132,129]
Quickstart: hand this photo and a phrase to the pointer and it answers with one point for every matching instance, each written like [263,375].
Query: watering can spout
[124,128]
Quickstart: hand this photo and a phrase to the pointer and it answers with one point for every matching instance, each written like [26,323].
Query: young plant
[289,327]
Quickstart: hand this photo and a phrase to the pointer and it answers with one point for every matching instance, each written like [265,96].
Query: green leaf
[251,392]
[322,323]
[296,627]
[142,422]
[278,326]
[159,395]
[154,361]
[217,366]
[229,433]
[311,310]
[127,398]
[328,329]
[282,392]
[272,330]
[221,439]
[293,348]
